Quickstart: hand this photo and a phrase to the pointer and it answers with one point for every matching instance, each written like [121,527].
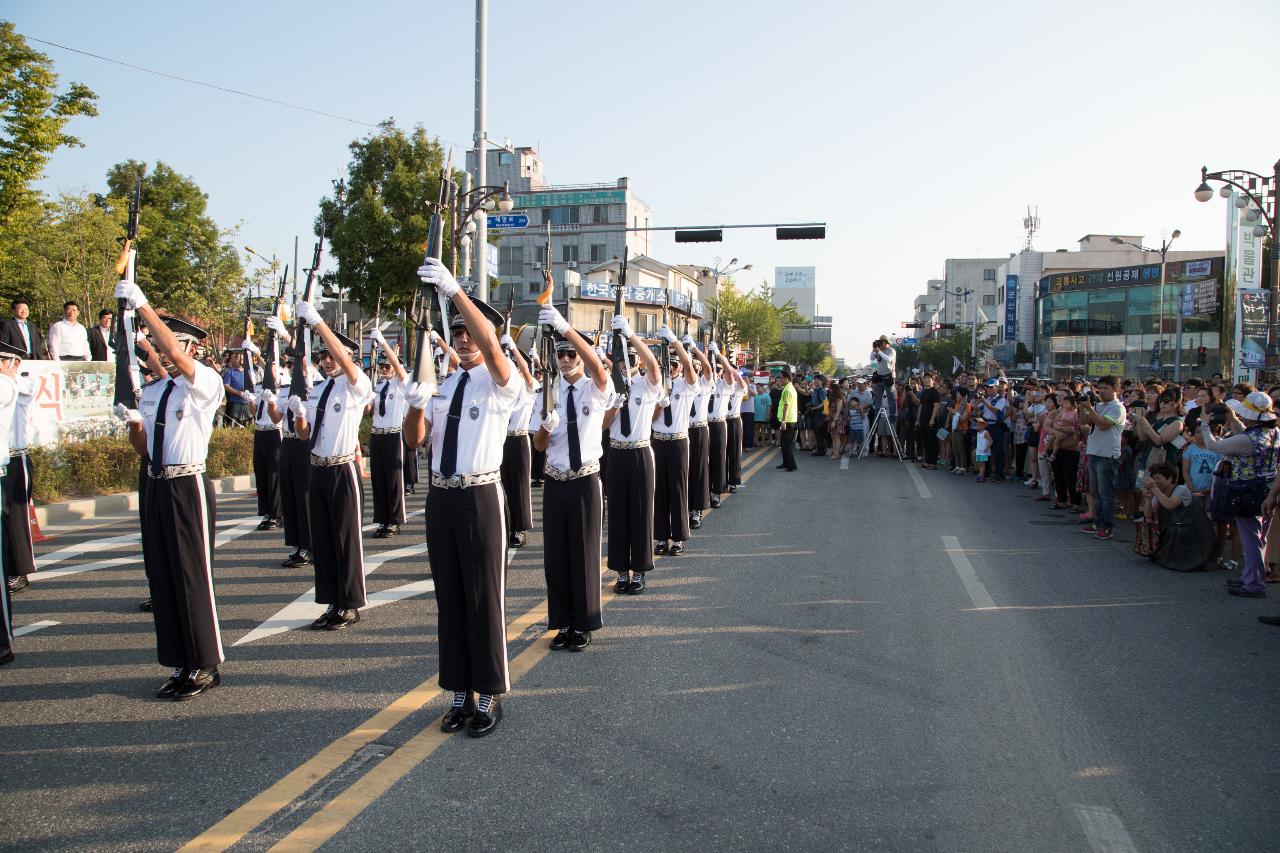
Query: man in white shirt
[19,554]
[517,455]
[266,446]
[101,347]
[294,465]
[386,444]
[68,340]
[10,358]
[571,502]
[19,333]
[671,453]
[699,436]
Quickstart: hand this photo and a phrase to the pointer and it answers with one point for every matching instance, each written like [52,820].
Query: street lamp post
[471,209]
[728,269]
[1261,191]
[965,293]
[1164,252]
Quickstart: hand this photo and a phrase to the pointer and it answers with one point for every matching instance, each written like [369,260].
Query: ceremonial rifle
[511,307]
[621,366]
[248,339]
[373,355]
[664,363]
[425,371]
[272,352]
[301,343]
[547,341]
[126,390]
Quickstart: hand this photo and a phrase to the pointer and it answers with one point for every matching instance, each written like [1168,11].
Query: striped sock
[485,703]
[459,699]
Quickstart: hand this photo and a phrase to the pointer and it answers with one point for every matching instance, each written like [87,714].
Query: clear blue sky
[918,131]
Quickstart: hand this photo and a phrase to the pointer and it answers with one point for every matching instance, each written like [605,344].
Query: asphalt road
[861,658]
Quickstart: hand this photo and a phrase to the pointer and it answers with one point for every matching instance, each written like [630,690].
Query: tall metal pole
[1160,338]
[1177,335]
[973,336]
[482,83]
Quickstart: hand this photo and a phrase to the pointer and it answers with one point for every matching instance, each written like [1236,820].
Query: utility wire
[200,83]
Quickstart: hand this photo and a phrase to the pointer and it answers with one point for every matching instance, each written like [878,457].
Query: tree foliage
[938,352]
[34,116]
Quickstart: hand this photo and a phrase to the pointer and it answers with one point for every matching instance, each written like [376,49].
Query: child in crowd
[1127,477]
[857,425]
[981,449]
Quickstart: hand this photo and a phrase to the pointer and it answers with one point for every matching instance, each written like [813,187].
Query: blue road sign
[909,342]
[509,220]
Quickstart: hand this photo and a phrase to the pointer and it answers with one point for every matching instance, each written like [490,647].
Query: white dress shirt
[26,336]
[8,405]
[482,422]
[343,410]
[20,435]
[590,403]
[699,402]
[718,408]
[262,412]
[682,395]
[523,409]
[68,340]
[389,404]
[643,397]
[189,414]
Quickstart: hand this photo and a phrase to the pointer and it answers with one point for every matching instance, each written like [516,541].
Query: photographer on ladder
[884,361]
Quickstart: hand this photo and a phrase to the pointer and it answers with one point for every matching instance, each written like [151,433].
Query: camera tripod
[882,416]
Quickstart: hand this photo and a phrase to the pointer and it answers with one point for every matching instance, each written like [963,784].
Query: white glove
[713,349]
[435,273]
[507,342]
[378,338]
[551,316]
[250,346]
[551,421]
[296,406]
[276,325]
[620,324]
[269,397]
[418,396]
[664,402]
[667,335]
[435,338]
[617,401]
[131,294]
[129,416]
[601,354]
[687,340]
[307,313]
[250,397]
[140,337]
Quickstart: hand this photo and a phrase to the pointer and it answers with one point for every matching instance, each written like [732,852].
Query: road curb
[87,508]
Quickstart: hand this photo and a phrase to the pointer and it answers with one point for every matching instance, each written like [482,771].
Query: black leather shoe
[677,548]
[780,467]
[381,532]
[1246,593]
[733,490]
[342,619]
[171,686]
[715,502]
[17,583]
[323,621]
[482,724]
[621,584]
[660,549]
[1265,620]
[579,640]
[516,540]
[302,558]
[197,682]
[695,521]
[6,657]
[392,530]
[145,605]
[294,560]
[637,584]
[560,641]
[455,718]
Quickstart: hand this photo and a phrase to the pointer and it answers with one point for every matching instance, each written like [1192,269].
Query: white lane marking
[242,528]
[111,542]
[844,463]
[34,626]
[303,609]
[919,481]
[977,592]
[407,516]
[1104,830]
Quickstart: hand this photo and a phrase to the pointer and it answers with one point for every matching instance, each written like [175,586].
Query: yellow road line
[340,811]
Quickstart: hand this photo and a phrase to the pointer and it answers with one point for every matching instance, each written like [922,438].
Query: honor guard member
[172,426]
[10,358]
[631,467]
[717,425]
[538,457]
[571,500]
[466,517]
[740,396]
[19,553]
[699,440]
[386,441]
[151,368]
[294,462]
[330,424]
[517,456]
[266,448]
[671,453]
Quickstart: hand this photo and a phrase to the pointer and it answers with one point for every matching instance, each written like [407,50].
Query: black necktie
[288,420]
[626,414]
[157,432]
[382,398]
[449,450]
[261,405]
[315,427]
[571,419]
[693,407]
[711,406]
[666,414]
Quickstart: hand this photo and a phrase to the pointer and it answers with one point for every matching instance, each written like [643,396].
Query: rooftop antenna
[1031,224]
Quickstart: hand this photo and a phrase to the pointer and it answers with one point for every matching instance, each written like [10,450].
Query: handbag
[943,433]
[1146,538]
[1245,497]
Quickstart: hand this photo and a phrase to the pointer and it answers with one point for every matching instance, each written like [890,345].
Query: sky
[917,131]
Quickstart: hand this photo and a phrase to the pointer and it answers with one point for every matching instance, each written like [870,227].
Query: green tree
[377,218]
[748,320]
[35,117]
[186,262]
[939,352]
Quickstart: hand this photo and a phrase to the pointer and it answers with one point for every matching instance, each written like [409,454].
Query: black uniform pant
[630,490]
[604,460]
[19,554]
[747,425]
[295,492]
[6,614]
[516,480]
[670,490]
[337,545]
[467,547]
[538,464]
[266,471]
[571,552]
[699,477]
[386,470]
[410,463]
[717,457]
[733,452]
[177,551]
[787,440]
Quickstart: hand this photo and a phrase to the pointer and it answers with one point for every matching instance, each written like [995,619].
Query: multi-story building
[925,307]
[797,286]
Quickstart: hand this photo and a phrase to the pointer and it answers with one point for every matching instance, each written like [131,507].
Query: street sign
[909,342]
[508,220]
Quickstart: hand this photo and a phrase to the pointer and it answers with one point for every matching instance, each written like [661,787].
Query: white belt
[287,434]
[173,472]
[261,428]
[384,430]
[585,471]
[669,436]
[698,426]
[628,445]
[715,420]
[464,481]
[512,432]
[17,451]
[331,461]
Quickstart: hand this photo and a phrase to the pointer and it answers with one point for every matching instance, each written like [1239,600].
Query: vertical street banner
[71,400]
[1252,341]
[1242,282]
[1011,308]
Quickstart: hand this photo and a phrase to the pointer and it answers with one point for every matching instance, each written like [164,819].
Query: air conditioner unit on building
[573,265]
[537,265]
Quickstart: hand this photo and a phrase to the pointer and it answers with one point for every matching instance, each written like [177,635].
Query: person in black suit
[100,337]
[18,331]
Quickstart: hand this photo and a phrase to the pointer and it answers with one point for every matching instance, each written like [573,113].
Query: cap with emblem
[490,313]
[184,330]
[351,346]
[10,351]
[563,343]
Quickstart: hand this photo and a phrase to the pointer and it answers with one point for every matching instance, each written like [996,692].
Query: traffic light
[937,327]
[914,325]
[704,235]
[1202,356]
[803,232]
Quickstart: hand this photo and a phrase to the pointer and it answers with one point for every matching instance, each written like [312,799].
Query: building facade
[798,286]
